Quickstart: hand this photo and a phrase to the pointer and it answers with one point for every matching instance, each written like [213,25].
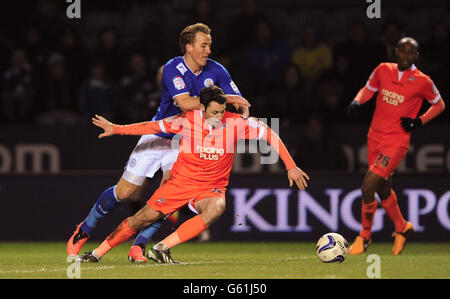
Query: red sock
[122,233]
[186,231]
[391,207]
[367,212]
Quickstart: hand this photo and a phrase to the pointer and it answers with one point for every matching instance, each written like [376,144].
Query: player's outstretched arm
[294,173]
[299,177]
[103,123]
[142,128]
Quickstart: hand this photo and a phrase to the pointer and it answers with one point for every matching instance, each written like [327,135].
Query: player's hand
[354,109]
[103,123]
[299,177]
[237,101]
[410,124]
[244,111]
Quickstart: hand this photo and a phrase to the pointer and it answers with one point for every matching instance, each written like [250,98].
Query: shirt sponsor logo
[210,153]
[392,97]
[179,83]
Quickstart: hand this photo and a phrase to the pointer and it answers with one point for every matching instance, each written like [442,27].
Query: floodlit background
[300,62]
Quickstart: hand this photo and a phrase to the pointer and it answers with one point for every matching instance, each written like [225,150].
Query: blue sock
[146,233]
[105,204]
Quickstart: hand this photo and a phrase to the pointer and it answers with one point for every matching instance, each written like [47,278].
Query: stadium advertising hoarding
[259,207]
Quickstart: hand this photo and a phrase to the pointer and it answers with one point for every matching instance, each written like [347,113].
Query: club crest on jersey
[178,83]
[392,97]
[208,82]
[132,162]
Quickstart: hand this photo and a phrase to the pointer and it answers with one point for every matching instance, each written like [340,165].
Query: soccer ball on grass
[332,248]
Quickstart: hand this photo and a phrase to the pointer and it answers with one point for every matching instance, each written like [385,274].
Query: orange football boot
[400,238]
[77,241]
[359,245]
[136,254]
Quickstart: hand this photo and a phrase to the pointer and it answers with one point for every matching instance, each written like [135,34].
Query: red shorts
[384,159]
[173,195]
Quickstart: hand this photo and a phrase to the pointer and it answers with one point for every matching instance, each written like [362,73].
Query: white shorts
[150,154]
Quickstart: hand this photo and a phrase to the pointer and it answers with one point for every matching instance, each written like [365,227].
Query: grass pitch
[227,260]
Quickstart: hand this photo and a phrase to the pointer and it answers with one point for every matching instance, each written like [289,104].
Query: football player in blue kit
[182,79]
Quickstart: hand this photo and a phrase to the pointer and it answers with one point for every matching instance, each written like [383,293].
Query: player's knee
[384,192]
[125,190]
[368,192]
[220,206]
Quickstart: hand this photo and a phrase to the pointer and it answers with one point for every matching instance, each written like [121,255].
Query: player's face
[214,113]
[200,50]
[407,54]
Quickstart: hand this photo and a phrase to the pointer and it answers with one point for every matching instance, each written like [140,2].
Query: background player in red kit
[199,176]
[401,89]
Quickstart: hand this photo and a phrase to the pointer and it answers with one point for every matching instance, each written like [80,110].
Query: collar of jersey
[184,61]
[412,68]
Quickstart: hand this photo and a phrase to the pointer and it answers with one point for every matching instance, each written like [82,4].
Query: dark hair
[187,36]
[210,94]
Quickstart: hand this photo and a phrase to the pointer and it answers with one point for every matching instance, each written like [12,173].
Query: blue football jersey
[178,79]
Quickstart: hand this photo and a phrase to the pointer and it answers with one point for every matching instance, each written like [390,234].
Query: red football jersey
[400,94]
[206,153]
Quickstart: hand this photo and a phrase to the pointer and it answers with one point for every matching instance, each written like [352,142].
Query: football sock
[186,231]
[146,233]
[367,212]
[391,207]
[122,233]
[105,204]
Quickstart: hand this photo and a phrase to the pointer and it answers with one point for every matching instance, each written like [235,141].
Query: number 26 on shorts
[383,160]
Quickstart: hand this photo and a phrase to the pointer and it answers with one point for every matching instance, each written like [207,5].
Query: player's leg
[143,163]
[167,158]
[106,202]
[368,209]
[390,204]
[209,209]
[137,251]
[129,227]
[369,203]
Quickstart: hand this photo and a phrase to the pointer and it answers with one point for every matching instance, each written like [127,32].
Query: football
[332,248]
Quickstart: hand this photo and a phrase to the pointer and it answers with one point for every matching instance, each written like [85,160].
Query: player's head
[407,52]
[213,102]
[195,41]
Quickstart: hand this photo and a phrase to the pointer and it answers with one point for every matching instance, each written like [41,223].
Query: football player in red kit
[401,90]
[201,173]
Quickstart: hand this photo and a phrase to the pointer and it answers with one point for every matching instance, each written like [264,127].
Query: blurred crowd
[55,71]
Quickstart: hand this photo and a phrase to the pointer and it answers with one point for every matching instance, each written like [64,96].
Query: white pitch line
[45,270]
